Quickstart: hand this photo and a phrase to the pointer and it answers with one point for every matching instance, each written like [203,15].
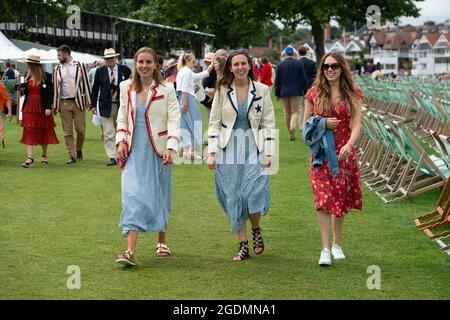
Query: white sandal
[162,250]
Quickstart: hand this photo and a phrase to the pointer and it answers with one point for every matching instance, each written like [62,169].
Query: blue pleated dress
[191,123]
[146,183]
[242,183]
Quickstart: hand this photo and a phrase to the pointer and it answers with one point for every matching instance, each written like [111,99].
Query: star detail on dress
[258,109]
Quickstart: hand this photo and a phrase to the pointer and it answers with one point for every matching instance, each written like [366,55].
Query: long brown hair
[228,76]
[36,71]
[347,87]
[136,84]
[221,57]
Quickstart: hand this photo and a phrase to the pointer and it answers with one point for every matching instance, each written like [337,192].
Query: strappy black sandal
[243,252]
[44,159]
[3,143]
[257,240]
[28,163]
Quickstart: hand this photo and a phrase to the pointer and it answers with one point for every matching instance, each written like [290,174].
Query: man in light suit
[106,89]
[72,96]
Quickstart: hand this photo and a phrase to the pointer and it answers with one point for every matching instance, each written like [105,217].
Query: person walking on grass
[72,96]
[106,90]
[290,85]
[191,116]
[148,126]
[37,122]
[334,102]
[241,142]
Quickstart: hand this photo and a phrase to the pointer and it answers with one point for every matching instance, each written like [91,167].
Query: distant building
[431,54]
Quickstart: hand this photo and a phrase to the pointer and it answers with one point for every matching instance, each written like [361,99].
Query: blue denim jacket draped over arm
[321,143]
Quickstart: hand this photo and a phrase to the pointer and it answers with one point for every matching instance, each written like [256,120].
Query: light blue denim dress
[191,123]
[242,183]
[146,183]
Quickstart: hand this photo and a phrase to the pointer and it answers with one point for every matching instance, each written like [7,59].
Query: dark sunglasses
[109,58]
[333,66]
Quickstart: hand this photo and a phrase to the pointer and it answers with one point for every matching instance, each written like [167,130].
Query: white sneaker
[325,258]
[337,253]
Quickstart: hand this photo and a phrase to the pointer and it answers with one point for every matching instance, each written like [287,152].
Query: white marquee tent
[8,51]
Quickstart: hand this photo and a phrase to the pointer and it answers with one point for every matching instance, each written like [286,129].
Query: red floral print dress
[339,193]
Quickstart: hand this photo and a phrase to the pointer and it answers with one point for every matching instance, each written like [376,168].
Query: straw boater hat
[110,53]
[33,59]
[209,56]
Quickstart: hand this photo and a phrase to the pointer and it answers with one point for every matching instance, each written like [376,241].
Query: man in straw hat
[72,96]
[106,90]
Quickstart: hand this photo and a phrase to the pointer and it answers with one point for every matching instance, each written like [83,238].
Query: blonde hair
[184,59]
[36,71]
[136,84]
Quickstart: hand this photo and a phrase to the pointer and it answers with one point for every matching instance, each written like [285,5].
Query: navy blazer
[310,70]
[290,79]
[102,87]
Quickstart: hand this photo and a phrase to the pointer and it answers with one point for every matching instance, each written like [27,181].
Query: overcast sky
[436,10]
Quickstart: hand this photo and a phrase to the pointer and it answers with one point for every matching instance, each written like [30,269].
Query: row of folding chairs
[393,164]
[431,113]
[423,105]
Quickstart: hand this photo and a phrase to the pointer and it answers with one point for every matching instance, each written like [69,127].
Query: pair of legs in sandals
[127,258]
[258,243]
[30,161]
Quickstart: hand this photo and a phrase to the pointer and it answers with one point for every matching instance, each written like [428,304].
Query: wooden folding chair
[428,174]
[440,211]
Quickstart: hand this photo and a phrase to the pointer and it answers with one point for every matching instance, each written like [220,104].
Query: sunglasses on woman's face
[333,66]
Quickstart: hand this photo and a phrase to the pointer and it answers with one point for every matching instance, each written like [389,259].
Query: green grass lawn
[57,216]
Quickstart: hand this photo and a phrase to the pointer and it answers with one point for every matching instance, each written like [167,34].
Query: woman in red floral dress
[37,121]
[335,96]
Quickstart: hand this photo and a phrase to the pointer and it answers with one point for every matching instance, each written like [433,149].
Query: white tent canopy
[45,56]
[8,51]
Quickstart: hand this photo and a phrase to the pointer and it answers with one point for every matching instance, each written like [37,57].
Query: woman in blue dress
[148,125]
[188,84]
[241,143]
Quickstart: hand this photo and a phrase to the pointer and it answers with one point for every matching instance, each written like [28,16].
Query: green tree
[121,8]
[234,22]
[25,11]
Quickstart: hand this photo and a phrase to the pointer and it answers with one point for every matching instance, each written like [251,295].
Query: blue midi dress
[146,183]
[242,183]
[191,123]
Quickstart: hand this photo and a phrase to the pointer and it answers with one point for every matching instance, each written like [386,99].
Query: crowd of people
[150,115]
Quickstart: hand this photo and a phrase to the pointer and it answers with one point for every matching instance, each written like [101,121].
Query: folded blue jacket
[321,143]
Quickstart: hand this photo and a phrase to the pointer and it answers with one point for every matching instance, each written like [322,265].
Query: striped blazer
[82,86]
